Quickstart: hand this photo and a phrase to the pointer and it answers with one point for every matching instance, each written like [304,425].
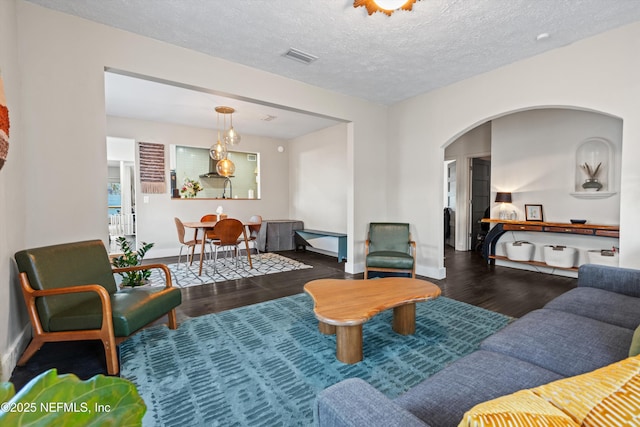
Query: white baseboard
[167,252]
[10,359]
[429,272]
[536,268]
[432,272]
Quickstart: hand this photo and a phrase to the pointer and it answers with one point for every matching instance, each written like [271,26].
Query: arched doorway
[533,155]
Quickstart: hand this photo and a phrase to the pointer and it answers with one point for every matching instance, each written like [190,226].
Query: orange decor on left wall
[4,126]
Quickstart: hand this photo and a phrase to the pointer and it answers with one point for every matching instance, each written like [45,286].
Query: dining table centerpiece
[190,188]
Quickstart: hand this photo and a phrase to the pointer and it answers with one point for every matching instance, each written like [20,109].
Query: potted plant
[130,258]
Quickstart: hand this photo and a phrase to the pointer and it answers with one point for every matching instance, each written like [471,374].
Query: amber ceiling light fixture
[219,151]
[384,6]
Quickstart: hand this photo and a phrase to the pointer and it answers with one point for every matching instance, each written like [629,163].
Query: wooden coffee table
[343,306]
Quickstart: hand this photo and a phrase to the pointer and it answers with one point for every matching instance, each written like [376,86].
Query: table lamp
[503,199]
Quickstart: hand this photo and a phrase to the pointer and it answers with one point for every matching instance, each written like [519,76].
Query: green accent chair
[71,295]
[389,248]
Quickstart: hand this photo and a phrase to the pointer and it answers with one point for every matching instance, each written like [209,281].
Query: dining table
[208,225]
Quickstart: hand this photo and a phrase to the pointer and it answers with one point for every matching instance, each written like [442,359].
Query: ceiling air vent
[267,117]
[300,56]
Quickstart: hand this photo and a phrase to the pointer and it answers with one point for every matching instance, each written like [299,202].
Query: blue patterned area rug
[183,275]
[264,364]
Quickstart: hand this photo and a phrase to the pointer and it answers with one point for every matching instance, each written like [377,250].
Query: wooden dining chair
[254,231]
[208,234]
[227,232]
[211,218]
[189,244]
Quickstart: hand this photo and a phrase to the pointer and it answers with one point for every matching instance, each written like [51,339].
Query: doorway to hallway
[121,193]
[480,184]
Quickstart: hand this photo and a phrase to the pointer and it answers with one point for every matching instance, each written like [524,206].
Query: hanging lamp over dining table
[220,150]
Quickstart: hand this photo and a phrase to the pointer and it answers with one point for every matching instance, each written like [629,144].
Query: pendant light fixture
[225,167]
[231,137]
[219,151]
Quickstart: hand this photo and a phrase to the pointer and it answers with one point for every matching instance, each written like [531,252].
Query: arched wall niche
[595,172]
[528,174]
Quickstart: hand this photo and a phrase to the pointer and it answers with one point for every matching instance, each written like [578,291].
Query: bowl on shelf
[578,221]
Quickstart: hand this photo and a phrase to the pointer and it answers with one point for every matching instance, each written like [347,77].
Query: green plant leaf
[50,399]
[130,258]
[6,392]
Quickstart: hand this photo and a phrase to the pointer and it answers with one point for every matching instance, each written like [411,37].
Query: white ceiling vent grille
[267,117]
[300,56]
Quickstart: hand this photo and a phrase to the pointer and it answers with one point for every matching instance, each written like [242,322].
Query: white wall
[121,149]
[13,194]
[57,86]
[598,74]
[155,218]
[534,158]
[317,175]
[67,119]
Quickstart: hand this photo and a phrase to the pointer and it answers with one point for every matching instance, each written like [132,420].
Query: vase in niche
[592,184]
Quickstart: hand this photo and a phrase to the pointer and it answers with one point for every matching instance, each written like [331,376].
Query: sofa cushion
[523,409]
[606,397]
[442,399]
[390,259]
[133,308]
[355,403]
[561,342]
[624,281]
[606,306]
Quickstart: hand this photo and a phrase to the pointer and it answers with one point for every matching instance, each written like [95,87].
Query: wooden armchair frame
[106,331]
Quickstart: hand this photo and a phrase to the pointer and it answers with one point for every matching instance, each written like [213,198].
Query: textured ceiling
[384,59]
[380,58]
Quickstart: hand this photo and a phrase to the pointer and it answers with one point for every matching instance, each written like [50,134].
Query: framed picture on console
[533,213]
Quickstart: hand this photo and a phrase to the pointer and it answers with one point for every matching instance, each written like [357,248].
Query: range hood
[212,174]
[212,170]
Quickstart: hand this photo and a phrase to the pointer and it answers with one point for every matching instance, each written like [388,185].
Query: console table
[502,226]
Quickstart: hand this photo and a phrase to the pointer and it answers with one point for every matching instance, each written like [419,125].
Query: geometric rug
[264,364]
[183,275]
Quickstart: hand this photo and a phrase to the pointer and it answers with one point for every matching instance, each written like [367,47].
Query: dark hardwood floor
[469,279]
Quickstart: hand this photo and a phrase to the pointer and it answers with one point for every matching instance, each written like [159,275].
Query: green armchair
[71,295]
[389,248]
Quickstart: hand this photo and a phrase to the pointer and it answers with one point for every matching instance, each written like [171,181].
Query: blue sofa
[586,328]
